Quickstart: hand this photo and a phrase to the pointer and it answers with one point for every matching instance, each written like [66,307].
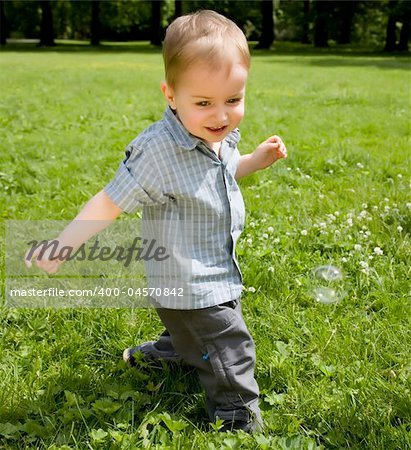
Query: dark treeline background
[383,23]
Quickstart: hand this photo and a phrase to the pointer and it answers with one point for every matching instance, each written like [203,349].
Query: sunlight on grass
[331,376]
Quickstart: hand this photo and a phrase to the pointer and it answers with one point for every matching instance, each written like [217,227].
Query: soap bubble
[328,273]
[328,284]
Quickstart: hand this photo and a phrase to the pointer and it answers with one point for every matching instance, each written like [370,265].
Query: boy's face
[209,103]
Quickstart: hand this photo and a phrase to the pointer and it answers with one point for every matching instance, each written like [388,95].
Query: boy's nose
[221,114]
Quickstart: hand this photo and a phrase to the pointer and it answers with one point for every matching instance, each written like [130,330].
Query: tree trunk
[391,37]
[95,23]
[178,8]
[156,29]
[3,26]
[321,9]
[46,26]
[347,11]
[305,38]
[267,25]
[404,35]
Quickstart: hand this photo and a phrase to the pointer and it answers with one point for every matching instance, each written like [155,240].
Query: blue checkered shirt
[191,204]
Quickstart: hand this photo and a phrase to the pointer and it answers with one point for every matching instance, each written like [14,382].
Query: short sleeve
[136,182]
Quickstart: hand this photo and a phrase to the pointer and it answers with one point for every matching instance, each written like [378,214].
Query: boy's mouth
[217,130]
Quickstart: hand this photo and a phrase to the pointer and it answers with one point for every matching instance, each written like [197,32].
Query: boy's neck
[215,147]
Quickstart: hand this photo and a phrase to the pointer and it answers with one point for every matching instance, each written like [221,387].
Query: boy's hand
[269,152]
[263,156]
[44,262]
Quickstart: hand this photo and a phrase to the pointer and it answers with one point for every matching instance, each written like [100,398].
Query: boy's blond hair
[204,36]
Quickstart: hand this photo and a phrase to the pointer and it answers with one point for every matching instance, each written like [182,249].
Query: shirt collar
[186,140]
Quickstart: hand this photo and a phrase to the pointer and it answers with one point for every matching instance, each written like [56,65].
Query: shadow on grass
[31,45]
[334,56]
[338,56]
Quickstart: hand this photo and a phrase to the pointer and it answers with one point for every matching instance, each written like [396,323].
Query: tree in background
[305,35]
[178,8]
[322,22]
[46,25]
[95,23]
[346,11]
[156,22]
[267,25]
[405,29]
[3,25]
[398,11]
[321,11]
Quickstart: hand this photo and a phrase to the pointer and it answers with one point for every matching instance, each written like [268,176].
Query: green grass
[331,376]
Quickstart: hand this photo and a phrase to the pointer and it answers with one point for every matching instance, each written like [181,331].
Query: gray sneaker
[152,353]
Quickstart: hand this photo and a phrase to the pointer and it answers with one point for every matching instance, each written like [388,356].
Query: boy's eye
[232,101]
[203,103]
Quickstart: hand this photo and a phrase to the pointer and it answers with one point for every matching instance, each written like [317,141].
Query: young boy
[185,167]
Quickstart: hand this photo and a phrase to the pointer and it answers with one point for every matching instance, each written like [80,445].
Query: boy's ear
[168,93]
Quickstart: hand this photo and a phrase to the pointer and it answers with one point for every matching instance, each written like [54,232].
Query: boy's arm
[96,215]
[263,156]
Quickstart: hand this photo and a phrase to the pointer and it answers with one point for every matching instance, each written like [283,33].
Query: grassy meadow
[331,376]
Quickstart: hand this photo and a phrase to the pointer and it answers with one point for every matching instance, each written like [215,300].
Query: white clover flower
[331,171]
[336,213]
[408,205]
[251,289]
[387,208]
[349,222]
[252,224]
[263,220]
[399,175]
[399,228]
[363,214]
[270,229]
[365,268]
[271,269]
[304,232]
[344,259]
[322,225]
[264,236]
[331,217]
[375,207]
[386,200]
[378,251]
[357,247]
[249,241]
[276,240]
[371,257]
[289,169]
[364,206]
[360,166]
[337,232]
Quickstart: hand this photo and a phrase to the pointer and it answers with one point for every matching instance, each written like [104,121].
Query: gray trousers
[217,343]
